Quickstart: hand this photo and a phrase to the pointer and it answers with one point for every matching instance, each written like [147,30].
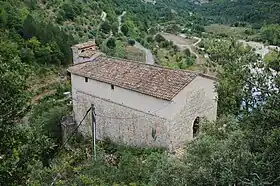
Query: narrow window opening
[86,79]
[196,127]
[112,87]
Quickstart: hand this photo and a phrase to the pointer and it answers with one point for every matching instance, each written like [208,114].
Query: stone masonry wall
[120,123]
[199,100]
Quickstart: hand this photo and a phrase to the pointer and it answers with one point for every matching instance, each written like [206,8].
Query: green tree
[271,33]
[159,38]
[3,17]
[173,28]
[27,55]
[189,61]
[29,27]
[187,52]
[32,4]
[273,60]
[131,42]
[111,43]
[15,157]
[240,148]
[125,29]
[115,28]
[68,11]
[105,27]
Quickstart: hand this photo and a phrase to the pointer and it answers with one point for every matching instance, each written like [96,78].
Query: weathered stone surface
[120,123]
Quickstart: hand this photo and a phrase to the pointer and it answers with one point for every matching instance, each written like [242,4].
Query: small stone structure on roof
[85,45]
[85,52]
[147,79]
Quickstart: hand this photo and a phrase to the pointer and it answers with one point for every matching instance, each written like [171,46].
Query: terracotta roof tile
[88,53]
[147,79]
[85,45]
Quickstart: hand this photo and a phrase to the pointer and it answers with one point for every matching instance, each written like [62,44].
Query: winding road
[149,55]
[198,41]
[120,21]
[184,43]
[260,48]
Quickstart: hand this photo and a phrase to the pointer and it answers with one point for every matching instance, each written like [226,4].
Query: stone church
[136,103]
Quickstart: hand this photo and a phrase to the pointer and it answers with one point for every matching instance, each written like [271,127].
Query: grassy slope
[252,11]
[85,24]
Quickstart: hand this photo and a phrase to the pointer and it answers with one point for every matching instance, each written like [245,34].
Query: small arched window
[196,127]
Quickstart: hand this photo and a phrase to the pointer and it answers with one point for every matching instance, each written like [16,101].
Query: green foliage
[240,148]
[233,151]
[56,44]
[228,31]
[3,17]
[53,44]
[21,146]
[111,43]
[24,43]
[187,52]
[115,28]
[249,31]
[125,29]
[46,117]
[114,165]
[271,33]
[159,38]
[184,64]
[273,60]
[173,28]
[131,42]
[70,10]
[13,73]
[252,11]
[230,55]
[105,27]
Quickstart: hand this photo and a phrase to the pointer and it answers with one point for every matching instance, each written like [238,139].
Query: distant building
[139,104]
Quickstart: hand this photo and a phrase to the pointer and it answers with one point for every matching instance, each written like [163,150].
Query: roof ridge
[98,56]
[102,55]
[152,80]
[152,65]
[162,67]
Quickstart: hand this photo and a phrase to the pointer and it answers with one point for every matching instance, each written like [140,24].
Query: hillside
[240,148]
[255,12]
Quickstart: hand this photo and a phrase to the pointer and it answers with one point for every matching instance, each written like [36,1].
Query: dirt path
[149,55]
[259,47]
[184,43]
[120,21]
[37,98]
[198,41]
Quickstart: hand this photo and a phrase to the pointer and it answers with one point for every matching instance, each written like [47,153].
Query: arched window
[196,127]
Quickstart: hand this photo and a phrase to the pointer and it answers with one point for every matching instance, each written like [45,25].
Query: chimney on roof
[85,52]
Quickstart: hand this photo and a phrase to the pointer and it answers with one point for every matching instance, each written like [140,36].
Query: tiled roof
[88,53]
[85,45]
[146,79]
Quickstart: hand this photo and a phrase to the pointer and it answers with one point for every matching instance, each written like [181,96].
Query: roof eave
[135,90]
